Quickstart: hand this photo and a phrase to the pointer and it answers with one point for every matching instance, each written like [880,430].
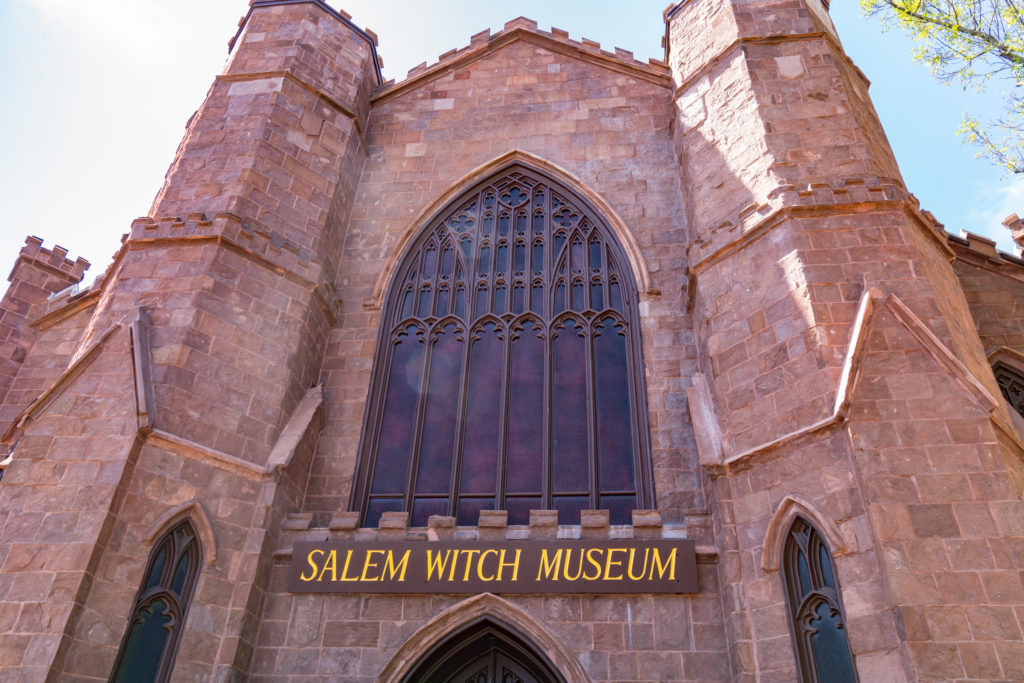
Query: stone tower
[801,356]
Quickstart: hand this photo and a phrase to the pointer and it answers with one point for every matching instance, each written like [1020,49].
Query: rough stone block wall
[757,613]
[949,526]
[298,83]
[165,478]
[66,474]
[995,294]
[37,274]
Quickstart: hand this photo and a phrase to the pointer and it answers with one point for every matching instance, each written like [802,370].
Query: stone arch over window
[509,372]
[816,617]
[161,605]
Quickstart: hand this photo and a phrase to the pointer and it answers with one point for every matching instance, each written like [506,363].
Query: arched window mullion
[503,419]
[365,483]
[460,424]
[546,473]
[421,404]
[158,612]
[595,466]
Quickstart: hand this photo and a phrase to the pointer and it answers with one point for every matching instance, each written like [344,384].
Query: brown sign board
[563,566]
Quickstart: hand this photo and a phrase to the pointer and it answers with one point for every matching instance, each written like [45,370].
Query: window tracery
[815,611]
[509,366]
[1011,384]
[147,652]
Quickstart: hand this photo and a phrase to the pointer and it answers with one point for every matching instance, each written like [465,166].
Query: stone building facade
[810,357]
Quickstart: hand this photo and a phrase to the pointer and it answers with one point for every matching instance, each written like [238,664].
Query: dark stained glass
[537,298]
[520,257]
[442,302]
[815,609]
[147,650]
[440,412]
[512,404]
[158,568]
[830,647]
[148,635]
[447,262]
[595,255]
[481,449]
[526,410]
[596,295]
[181,573]
[1011,384]
[614,428]
[569,456]
[518,298]
[398,425]
[577,296]
[423,307]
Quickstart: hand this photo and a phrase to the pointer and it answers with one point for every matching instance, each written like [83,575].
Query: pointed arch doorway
[483,652]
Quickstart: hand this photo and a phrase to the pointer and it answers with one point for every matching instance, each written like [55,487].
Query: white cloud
[994,203]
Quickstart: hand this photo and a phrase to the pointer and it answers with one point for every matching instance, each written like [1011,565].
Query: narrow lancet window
[158,617]
[815,610]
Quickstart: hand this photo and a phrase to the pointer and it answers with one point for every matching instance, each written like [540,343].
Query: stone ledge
[492,526]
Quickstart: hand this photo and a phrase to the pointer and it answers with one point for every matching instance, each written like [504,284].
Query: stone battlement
[485,38]
[492,526]
[54,260]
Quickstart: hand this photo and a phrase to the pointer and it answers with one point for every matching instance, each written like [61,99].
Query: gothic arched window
[815,612]
[147,652]
[508,373]
[1011,383]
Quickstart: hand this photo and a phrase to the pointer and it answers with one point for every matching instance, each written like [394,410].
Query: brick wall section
[37,274]
[608,128]
[58,492]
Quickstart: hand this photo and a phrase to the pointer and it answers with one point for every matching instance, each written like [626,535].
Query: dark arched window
[815,611]
[147,652]
[508,370]
[483,652]
[1011,383]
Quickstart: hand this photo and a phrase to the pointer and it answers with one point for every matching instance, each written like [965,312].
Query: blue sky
[96,95]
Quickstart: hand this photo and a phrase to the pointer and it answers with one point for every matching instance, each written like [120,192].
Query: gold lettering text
[579,568]
[344,569]
[514,564]
[549,569]
[391,569]
[480,565]
[609,563]
[367,565]
[332,564]
[594,563]
[312,565]
[643,570]
[437,563]
[469,562]
[670,565]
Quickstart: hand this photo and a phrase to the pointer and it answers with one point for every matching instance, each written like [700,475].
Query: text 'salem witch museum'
[543,364]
